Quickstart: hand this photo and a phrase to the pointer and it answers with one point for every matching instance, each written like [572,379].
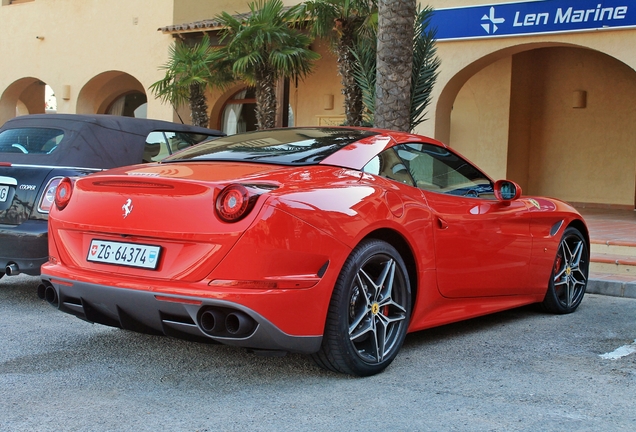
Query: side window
[156,147]
[161,144]
[180,140]
[388,164]
[439,170]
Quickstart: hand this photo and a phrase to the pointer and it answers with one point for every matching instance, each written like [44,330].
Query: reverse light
[234,203]
[48,197]
[63,193]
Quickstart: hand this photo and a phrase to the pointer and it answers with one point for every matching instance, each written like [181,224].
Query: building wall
[582,155]
[480,117]
[186,11]
[78,40]
[504,102]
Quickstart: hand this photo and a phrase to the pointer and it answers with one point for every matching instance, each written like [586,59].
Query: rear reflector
[178,300]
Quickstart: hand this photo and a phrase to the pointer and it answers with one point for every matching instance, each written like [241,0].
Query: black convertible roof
[94,141]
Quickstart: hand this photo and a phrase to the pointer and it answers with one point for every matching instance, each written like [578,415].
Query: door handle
[441,223]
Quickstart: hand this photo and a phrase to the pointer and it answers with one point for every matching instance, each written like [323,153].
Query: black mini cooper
[37,151]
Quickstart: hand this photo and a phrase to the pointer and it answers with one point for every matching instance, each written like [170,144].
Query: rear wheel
[369,312]
[569,274]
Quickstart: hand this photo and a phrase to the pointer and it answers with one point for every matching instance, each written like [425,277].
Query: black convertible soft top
[105,140]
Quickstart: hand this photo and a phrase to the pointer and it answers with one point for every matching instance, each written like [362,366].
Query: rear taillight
[234,203]
[63,193]
[48,197]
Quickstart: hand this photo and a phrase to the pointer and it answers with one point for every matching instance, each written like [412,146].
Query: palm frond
[264,45]
[365,74]
[425,67]
[188,65]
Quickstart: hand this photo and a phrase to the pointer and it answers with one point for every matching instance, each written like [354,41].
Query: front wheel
[369,312]
[569,274]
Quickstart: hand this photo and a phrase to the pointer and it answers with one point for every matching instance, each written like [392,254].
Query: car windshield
[303,146]
[30,140]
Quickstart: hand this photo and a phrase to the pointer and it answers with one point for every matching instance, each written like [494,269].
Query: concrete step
[613,248]
[613,264]
[613,258]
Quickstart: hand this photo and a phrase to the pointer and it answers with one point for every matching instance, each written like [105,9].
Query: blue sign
[532,17]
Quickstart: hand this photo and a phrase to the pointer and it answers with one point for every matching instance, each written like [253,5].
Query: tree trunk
[265,98]
[394,64]
[198,106]
[350,89]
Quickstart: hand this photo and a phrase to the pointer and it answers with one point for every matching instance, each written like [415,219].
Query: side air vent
[555,228]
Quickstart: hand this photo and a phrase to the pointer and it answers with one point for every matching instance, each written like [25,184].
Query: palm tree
[263,47]
[342,22]
[190,71]
[394,63]
[422,77]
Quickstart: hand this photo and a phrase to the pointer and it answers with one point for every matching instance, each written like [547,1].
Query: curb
[611,288]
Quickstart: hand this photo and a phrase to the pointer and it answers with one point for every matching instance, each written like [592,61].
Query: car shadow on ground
[72,343]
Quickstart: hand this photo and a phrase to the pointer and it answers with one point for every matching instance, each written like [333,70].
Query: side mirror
[506,190]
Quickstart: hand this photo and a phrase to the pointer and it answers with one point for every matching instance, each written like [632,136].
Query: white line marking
[619,352]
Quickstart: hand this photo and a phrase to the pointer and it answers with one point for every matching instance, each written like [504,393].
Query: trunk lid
[20,188]
[171,206]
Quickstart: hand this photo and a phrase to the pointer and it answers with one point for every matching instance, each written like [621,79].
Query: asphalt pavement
[520,370]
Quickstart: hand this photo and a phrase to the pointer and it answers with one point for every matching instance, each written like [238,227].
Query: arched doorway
[132,104]
[24,96]
[238,113]
[559,120]
[112,92]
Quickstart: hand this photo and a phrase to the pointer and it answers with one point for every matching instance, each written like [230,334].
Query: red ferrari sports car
[334,242]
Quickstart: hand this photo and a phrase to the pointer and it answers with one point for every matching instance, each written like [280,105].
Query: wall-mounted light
[66,92]
[579,99]
[327,102]
[40,37]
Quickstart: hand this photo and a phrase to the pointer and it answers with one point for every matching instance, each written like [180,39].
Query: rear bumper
[25,245]
[171,315]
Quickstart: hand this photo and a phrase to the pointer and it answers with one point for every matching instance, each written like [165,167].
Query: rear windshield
[304,146]
[30,140]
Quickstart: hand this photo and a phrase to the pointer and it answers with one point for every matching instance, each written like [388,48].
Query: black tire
[569,274]
[372,293]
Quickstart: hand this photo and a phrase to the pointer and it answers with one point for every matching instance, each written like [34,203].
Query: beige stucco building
[552,108]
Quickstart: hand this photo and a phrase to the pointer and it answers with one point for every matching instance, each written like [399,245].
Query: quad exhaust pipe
[226,323]
[238,324]
[47,292]
[212,321]
[12,269]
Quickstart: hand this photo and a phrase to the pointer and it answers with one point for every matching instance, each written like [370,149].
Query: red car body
[277,266]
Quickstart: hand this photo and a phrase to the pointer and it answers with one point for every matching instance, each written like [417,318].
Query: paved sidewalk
[611,227]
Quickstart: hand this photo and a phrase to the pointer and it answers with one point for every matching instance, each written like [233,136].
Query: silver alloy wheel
[377,309]
[369,311]
[570,271]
